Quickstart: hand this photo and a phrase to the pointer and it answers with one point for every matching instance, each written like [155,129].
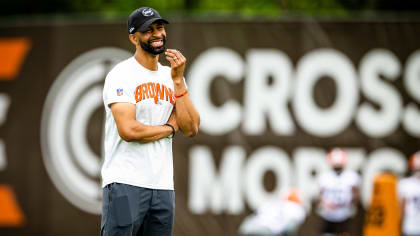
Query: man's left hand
[178,62]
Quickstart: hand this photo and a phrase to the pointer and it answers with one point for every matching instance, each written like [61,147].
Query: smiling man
[145,103]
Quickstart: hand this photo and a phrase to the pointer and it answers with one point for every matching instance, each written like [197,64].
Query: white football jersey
[336,195]
[409,190]
[147,165]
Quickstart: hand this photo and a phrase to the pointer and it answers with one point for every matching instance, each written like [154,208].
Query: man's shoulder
[404,181]
[325,177]
[117,72]
[122,65]
[405,185]
[351,177]
[409,181]
[351,173]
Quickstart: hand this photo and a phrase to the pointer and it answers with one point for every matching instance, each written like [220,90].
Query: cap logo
[147,12]
[132,29]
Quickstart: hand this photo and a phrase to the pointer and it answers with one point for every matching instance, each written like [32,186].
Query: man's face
[153,39]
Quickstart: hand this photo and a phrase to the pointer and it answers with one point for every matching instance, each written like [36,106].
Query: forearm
[187,116]
[155,137]
[135,131]
[355,198]
[151,139]
[131,130]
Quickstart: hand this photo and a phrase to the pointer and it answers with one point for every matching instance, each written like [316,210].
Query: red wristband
[182,94]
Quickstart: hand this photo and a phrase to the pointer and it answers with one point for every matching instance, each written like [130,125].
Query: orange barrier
[383,215]
[12,53]
[10,212]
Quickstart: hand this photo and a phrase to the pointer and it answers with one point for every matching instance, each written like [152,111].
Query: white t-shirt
[409,190]
[336,196]
[147,165]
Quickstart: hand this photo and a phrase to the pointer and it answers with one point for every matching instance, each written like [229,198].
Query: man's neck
[147,60]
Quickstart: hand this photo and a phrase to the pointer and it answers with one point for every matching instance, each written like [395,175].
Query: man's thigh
[124,208]
[160,218]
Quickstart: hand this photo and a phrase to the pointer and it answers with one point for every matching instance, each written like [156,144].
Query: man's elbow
[126,138]
[192,132]
[126,135]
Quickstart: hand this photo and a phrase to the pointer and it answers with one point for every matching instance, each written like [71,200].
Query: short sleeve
[117,89]
[354,179]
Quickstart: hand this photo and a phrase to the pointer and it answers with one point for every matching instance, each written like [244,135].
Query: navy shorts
[134,211]
[335,227]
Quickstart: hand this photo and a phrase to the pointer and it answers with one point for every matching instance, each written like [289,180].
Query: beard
[147,46]
[338,169]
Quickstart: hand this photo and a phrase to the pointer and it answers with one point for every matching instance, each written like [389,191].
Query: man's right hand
[172,121]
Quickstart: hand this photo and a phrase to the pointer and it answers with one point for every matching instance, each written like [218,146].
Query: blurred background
[235,9]
[278,83]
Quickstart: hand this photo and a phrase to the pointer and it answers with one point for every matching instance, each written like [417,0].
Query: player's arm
[131,130]
[355,194]
[355,189]
[402,201]
[402,212]
[316,200]
[187,116]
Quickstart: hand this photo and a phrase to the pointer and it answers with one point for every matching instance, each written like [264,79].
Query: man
[338,194]
[409,193]
[145,103]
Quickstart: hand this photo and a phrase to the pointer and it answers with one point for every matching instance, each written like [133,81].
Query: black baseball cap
[140,19]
